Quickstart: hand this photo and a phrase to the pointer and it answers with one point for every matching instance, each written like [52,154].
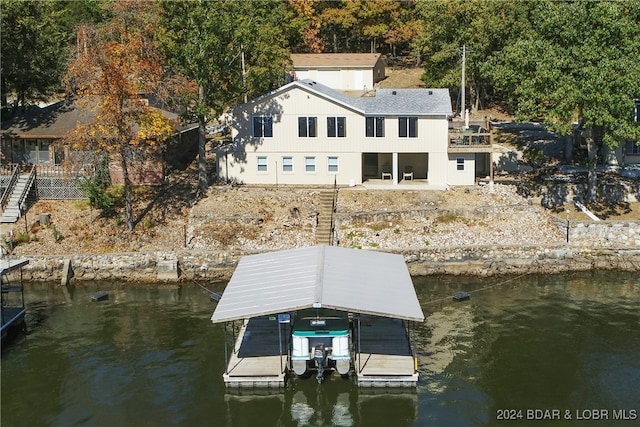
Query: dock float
[256,360]
[385,358]
[13,309]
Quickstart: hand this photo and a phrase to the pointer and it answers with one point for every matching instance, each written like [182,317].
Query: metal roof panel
[353,280]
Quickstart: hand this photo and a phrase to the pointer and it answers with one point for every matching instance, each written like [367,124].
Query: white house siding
[349,79]
[286,108]
[240,161]
[461,177]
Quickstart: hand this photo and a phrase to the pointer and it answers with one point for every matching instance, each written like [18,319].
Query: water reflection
[334,403]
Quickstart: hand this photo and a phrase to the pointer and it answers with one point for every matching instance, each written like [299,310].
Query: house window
[408,127]
[307,127]
[633,148]
[636,111]
[287,164]
[375,127]
[262,126]
[309,164]
[460,163]
[336,127]
[332,164]
[262,163]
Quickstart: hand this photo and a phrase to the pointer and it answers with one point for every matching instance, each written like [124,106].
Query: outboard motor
[320,356]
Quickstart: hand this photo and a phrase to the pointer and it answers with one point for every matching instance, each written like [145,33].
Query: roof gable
[344,279]
[386,102]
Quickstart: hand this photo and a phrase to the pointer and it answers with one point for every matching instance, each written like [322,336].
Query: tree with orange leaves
[116,67]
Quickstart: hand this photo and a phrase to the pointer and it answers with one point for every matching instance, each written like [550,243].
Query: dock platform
[257,360]
[12,312]
[385,358]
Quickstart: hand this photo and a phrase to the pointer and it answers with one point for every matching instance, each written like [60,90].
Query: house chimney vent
[394,93]
[430,92]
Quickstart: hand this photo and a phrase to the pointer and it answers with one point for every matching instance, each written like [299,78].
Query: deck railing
[461,139]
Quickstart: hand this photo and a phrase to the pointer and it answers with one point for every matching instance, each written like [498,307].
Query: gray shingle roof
[389,102]
[57,120]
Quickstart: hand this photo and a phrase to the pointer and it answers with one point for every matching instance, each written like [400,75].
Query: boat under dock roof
[350,280]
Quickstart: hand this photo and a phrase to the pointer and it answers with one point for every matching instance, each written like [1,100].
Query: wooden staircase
[18,199]
[324,230]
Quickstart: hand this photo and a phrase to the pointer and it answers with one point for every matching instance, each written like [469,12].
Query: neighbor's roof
[350,280]
[334,60]
[58,119]
[417,102]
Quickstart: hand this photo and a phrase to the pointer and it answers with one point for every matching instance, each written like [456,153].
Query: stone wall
[219,265]
[602,234]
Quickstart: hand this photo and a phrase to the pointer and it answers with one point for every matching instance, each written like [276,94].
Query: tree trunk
[592,178]
[568,148]
[128,206]
[203,178]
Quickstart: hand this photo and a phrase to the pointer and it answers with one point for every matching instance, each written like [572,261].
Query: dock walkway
[256,360]
[385,358]
[11,313]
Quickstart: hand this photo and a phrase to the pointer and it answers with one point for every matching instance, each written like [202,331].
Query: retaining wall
[219,265]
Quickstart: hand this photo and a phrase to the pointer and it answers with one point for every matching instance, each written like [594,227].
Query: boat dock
[13,310]
[257,359]
[384,358]
[373,290]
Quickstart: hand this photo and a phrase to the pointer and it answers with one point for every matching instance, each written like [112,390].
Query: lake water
[565,348]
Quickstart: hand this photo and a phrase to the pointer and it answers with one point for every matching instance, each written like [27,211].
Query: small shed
[341,71]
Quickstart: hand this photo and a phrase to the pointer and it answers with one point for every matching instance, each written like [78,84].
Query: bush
[99,197]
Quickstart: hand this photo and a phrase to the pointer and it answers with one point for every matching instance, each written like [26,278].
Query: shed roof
[334,60]
[343,279]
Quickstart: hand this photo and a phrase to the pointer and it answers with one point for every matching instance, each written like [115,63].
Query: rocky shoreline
[478,231]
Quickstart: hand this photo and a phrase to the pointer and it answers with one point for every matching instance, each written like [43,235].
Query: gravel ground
[256,219]
[269,219]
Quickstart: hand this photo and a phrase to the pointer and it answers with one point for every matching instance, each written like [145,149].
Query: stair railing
[333,211]
[27,188]
[7,191]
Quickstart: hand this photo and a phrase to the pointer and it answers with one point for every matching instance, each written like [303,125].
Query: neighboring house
[630,152]
[306,133]
[342,71]
[32,156]
[33,138]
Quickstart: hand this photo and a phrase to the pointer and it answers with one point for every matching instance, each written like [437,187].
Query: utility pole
[244,72]
[462,86]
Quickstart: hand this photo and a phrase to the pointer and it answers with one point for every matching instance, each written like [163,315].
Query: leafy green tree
[118,63]
[579,64]
[483,27]
[34,52]
[37,40]
[208,40]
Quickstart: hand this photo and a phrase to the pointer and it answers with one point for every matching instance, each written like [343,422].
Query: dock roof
[351,280]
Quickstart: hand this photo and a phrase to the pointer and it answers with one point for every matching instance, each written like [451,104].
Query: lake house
[306,133]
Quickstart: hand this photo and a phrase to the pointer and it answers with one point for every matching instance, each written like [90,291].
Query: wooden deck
[256,360]
[385,358]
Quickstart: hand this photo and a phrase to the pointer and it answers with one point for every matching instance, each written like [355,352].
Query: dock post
[67,272]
